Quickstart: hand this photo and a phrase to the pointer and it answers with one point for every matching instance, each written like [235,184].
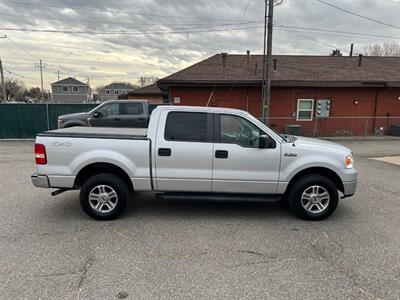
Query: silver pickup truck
[194,153]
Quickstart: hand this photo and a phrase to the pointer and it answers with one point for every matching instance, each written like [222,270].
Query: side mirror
[96,115]
[265,142]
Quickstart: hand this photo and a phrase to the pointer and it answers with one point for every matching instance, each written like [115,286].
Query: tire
[313,197]
[104,196]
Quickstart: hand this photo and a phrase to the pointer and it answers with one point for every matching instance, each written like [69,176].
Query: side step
[220,197]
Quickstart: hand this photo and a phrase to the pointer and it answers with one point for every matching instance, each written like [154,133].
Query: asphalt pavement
[159,249]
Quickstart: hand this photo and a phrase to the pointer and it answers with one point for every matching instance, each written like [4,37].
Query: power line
[311,39]
[358,15]
[185,31]
[15,74]
[129,23]
[339,32]
[104,10]
[124,32]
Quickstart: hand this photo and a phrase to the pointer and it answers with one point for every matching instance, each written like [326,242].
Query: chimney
[248,56]
[351,50]
[224,55]
[275,61]
[360,56]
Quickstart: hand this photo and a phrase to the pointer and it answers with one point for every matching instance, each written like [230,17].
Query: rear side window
[186,127]
[132,108]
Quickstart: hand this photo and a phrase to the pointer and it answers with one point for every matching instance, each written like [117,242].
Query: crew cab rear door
[239,165]
[184,151]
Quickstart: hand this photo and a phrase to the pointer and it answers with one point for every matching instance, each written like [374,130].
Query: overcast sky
[163,36]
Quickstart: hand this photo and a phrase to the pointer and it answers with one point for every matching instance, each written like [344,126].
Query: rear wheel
[104,196]
[313,197]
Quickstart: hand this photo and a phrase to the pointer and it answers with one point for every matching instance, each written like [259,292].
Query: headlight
[59,123]
[349,161]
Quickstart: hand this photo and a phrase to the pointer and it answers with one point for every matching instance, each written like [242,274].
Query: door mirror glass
[265,142]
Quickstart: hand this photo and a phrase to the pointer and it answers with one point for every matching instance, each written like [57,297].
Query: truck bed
[98,132]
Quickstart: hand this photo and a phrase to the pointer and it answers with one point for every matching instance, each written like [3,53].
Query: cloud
[125,57]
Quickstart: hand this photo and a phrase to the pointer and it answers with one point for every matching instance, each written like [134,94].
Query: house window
[107,92]
[75,88]
[115,92]
[305,109]
[65,89]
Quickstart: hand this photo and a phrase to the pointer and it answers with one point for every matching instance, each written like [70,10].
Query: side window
[305,109]
[109,110]
[237,130]
[131,108]
[186,127]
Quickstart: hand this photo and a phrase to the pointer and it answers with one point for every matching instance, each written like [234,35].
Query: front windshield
[96,108]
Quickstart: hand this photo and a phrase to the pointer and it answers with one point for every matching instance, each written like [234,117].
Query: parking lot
[183,250]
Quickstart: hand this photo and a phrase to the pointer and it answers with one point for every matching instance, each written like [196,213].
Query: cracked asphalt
[49,249]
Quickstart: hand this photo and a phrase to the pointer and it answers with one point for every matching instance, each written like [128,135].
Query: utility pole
[3,85]
[41,66]
[267,62]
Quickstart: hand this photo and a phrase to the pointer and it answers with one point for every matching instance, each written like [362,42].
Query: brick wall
[284,106]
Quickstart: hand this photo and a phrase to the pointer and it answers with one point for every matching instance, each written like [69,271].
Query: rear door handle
[221,154]
[164,152]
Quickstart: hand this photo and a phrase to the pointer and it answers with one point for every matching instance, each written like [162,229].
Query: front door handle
[164,152]
[117,119]
[221,154]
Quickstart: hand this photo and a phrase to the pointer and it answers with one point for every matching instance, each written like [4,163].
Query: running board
[220,197]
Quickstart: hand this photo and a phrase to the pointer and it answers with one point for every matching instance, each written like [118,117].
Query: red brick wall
[284,106]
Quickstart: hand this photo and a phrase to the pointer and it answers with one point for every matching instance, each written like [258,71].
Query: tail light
[40,154]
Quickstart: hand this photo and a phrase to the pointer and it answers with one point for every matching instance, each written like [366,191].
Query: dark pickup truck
[114,113]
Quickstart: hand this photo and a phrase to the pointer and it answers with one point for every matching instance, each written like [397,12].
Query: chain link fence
[335,126]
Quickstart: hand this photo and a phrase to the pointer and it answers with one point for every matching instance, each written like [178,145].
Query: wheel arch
[326,172]
[97,168]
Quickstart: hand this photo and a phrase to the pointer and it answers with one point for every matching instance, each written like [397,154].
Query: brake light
[40,154]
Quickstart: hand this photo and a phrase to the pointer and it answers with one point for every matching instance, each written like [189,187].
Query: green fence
[22,121]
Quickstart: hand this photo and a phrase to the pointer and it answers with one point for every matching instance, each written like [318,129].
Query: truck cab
[113,113]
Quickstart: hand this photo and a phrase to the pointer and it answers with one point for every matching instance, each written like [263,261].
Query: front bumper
[41,181]
[349,188]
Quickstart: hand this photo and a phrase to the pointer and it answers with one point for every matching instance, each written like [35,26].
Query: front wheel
[104,196]
[313,197]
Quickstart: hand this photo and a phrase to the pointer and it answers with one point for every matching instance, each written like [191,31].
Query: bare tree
[14,89]
[143,81]
[385,49]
